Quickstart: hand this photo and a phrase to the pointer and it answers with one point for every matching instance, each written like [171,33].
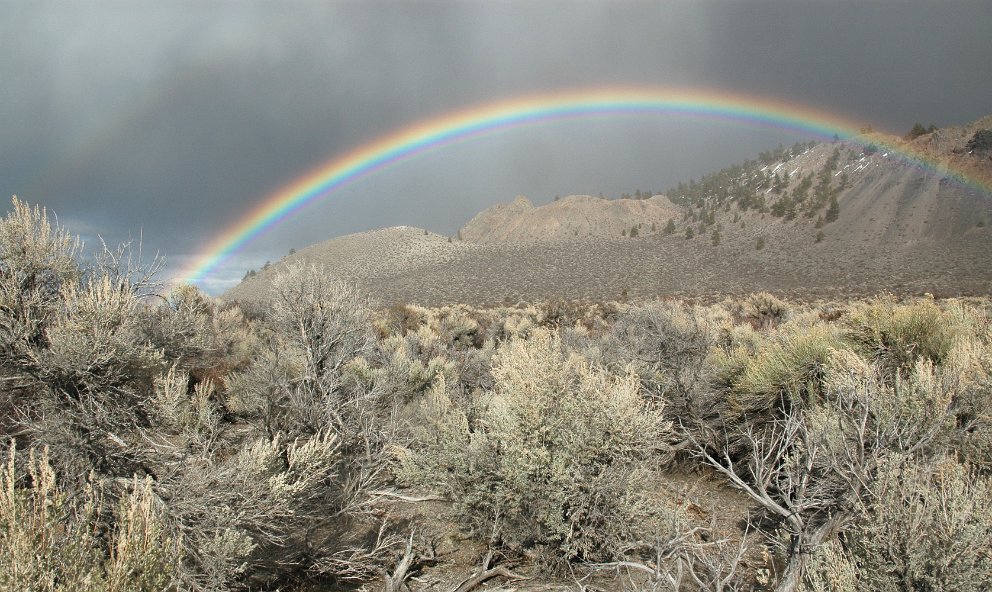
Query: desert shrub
[263,392]
[557,460]
[665,344]
[142,553]
[912,416]
[398,374]
[328,320]
[831,569]
[200,335]
[813,467]
[95,343]
[513,322]
[77,363]
[235,341]
[295,384]
[786,370]
[459,329]
[966,378]
[559,313]
[245,519]
[473,367]
[399,319]
[49,535]
[423,344]
[82,386]
[182,327]
[764,310]
[938,359]
[899,334]
[191,418]
[275,499]
[119,389]
[926,527]
[735,342]
[36,260]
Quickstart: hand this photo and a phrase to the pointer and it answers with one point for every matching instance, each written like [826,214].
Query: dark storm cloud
[173,118]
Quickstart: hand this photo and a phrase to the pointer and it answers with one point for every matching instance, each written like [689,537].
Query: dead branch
[406,498]
[394,582]
[488,574]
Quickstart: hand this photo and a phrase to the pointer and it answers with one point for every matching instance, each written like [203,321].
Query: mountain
[575,216]
[825,220]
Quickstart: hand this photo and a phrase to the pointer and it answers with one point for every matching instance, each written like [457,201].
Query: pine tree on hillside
[833,211]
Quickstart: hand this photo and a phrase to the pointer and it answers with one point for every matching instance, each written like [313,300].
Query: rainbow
[533,109]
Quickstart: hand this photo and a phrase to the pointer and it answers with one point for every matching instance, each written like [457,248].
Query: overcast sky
[170,120]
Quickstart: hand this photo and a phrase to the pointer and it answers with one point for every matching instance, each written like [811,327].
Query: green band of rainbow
[492,117]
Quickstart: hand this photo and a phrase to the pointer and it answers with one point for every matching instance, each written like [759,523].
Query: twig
[486,575]
[395,581]
[407,498]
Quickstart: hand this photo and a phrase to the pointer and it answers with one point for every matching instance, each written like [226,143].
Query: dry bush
[764,310]
[940,359]
[426,343]
[294,386]
[117,388]
[558,313]
[926,527]
[813,470]
[557,461]
[181,328]
[459,327]
[397,373]
[831,569]
[252,508]
[37,259]
[200,336]
[665,344]
[819,470]
[898,335]
[513,322]
[966,375]
[329,320]
[787,370]
[50,535]
[84,383]
[251,518]
[399,319]
[913,416]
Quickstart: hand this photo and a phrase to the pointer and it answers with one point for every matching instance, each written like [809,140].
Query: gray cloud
[175,118]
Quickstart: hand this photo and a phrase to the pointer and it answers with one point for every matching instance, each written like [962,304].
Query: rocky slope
[575,216]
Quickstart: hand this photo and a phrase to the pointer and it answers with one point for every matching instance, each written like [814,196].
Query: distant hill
[575,216]
[832,219]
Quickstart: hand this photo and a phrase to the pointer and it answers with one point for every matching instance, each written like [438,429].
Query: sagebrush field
[328,442]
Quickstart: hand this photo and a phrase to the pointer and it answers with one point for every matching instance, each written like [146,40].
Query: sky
[166,122]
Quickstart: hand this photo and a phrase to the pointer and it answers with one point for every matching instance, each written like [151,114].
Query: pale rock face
[575,217]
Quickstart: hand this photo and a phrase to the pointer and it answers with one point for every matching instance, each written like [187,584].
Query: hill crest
[574,217]
[831,219]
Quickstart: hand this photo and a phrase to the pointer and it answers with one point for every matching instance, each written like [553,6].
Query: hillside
[824,220]
[574,216]
[367,258]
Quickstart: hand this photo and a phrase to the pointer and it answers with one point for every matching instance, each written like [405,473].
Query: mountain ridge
[828,220]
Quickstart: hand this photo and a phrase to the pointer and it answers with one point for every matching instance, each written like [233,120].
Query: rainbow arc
[518,112]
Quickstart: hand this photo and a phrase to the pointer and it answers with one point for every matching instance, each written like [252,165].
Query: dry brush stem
[783,477]
[707,564]
[394,582]
[488,574]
